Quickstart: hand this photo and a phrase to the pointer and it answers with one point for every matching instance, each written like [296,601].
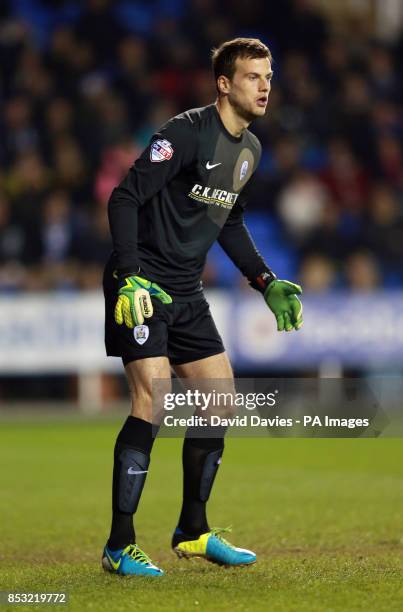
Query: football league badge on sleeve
[141,333]
[161,150]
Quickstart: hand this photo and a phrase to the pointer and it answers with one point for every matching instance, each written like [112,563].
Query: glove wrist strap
[262,281]
[128,272]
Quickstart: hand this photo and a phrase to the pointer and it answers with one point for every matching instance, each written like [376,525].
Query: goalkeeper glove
[281,298]
[134,300]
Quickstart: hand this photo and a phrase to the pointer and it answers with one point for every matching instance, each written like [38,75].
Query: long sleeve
[238,244]
[170,150]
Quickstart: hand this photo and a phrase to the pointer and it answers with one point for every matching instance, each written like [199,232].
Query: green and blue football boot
[129,561]
[212,547]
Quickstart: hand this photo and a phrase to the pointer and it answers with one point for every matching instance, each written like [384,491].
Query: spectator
[301,205]
[345,179]
[318,273]
[362,271]
[81,100]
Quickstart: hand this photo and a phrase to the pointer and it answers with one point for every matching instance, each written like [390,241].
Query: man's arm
[279,295]
[170,150]
[238,244]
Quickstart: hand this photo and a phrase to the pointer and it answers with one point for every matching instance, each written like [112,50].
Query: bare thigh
[211,374]
[216,366]
[140,375]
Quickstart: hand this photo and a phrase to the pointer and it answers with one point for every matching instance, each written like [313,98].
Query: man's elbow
[121,197]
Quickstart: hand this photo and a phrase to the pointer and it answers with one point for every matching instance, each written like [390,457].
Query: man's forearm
[123,221]
[238,244]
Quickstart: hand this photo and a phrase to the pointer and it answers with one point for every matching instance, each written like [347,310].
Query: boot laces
[137,554]
[217,531]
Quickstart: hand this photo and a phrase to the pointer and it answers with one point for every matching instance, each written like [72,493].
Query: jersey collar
[223,128]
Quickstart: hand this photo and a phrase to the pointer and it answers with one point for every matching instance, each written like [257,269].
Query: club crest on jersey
[244,170]
[141,333]
[161,150]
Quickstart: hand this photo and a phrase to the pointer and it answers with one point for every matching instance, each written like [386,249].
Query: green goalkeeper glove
[281,298]
[134,300]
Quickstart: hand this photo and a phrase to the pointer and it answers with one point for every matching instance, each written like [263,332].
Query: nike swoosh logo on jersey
[134,471]
[210,166]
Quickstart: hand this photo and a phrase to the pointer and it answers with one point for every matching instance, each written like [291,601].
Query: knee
[226,408]
[228,411]
[142,395]
[142,405]
[148,402]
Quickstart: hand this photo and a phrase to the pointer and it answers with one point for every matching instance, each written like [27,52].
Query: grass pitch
[324,516]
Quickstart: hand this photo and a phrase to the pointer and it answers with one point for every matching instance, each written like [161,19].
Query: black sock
[201,458]
[131,460]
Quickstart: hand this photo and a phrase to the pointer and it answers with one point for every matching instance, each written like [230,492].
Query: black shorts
[181,331]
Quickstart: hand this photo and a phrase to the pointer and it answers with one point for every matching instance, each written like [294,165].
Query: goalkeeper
[188,189]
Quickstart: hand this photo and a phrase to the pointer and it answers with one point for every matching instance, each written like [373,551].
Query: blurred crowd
[84,85]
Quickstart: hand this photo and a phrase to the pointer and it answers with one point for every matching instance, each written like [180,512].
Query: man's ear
[223,84]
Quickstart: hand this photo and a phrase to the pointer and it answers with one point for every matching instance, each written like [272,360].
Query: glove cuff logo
[141,333]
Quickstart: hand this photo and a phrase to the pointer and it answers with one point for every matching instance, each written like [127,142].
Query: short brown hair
[224,57]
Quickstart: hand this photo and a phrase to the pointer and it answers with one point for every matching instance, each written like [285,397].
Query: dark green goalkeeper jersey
[185,191]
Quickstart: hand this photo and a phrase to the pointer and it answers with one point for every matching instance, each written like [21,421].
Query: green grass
[324,516]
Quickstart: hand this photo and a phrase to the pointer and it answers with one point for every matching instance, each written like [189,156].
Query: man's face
[249,88]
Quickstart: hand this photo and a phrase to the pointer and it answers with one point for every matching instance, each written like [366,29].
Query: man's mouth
[262,101]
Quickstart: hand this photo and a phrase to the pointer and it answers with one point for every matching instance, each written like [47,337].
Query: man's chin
[251,113]
[255,112]
[260,111]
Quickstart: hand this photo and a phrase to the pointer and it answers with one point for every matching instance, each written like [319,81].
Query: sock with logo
[201,458]
[131,460]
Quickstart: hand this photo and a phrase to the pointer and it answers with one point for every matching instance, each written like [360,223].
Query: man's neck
[234,123]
